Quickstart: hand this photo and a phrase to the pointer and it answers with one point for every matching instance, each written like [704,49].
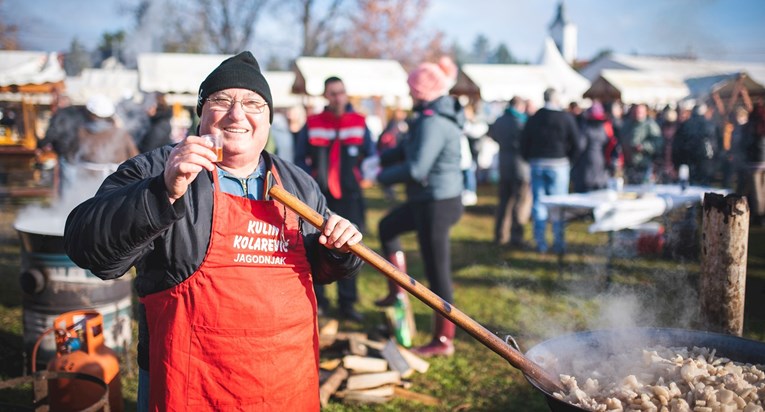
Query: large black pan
[595,343]
[45,234]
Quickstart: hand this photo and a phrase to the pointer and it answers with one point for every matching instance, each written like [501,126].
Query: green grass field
[520,293]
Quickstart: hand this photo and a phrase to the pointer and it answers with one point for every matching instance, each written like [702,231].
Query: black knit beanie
[238,72]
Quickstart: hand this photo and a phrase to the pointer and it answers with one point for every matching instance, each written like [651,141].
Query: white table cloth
[635,205]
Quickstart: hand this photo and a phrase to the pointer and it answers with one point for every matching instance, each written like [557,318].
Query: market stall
[500,82]
[28,82]
[633,87]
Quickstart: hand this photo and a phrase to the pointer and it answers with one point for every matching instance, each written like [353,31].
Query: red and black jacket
[327,139]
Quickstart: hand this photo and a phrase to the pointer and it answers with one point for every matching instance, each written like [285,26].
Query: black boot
[350,313]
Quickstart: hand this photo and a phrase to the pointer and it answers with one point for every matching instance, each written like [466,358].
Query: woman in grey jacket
[428,162]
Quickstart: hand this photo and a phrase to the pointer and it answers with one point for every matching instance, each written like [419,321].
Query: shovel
[492,341]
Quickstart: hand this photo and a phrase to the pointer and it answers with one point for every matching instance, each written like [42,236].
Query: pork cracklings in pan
[664,379]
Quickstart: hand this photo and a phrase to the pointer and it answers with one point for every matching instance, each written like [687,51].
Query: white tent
[723,84]
[281,88]
[115,84]
[660,80]
[362,78]
[568,82]
[175,73]
[632,87]
[503,81]
[179,75]
[22,71]
[29,67]
[679,67]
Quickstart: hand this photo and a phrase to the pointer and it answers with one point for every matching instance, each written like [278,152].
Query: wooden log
[373,380]
[330,364]
[330,328]
[416,362]
[332,383]
[417,397]
[352,335]
[328,334]
[357,397]
[386,391]
[362,364]
[357,347]
[725,233]
[372,344]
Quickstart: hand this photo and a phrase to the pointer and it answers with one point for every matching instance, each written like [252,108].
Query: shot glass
[217,143]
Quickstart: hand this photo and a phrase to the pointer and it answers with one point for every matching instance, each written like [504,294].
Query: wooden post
[725,232]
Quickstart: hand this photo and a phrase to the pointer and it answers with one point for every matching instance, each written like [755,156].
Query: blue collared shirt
[250,186]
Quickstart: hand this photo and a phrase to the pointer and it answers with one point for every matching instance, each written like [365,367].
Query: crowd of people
[556,151]
[214,252]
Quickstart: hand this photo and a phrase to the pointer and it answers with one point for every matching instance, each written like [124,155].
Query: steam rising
[148,33]
[619,322]
[50,220]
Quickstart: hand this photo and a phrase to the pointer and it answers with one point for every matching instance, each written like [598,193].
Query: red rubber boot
[442,343]
[398,259]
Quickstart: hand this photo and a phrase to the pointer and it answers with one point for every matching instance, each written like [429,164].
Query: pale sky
[712,29]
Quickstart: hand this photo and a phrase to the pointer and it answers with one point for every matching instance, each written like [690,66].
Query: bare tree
[77,59]
[9,33]
[185,34]
[218,26]
[391,29]
[230,24]
[318,22]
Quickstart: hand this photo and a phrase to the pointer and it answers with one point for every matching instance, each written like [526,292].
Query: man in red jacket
[330,147]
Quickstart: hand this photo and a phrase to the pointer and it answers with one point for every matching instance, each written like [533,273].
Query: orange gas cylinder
[80,348]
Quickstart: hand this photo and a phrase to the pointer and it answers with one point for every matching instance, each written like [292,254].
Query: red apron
[240,333]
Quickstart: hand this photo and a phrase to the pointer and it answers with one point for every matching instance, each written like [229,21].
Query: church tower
[563,33]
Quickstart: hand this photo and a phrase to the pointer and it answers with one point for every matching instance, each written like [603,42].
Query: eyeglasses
[222,104]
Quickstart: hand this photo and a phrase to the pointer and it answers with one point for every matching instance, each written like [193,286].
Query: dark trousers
[432,220]
[513,211]
[351,207]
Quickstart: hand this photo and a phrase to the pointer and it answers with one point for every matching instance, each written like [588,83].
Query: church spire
[560,16]
[563,33]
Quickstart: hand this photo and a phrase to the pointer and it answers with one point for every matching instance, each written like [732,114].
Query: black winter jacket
[589,170]
[131,222]
[550,134]
[506,131]
[695,144]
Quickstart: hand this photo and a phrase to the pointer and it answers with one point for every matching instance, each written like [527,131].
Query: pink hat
[596,112]
[430,81]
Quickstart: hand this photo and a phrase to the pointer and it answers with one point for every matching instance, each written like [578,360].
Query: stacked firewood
[355,368]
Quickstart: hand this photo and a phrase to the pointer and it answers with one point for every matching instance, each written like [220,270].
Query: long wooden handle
[492,341]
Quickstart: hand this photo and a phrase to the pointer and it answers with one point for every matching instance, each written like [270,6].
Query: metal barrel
[52,285]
